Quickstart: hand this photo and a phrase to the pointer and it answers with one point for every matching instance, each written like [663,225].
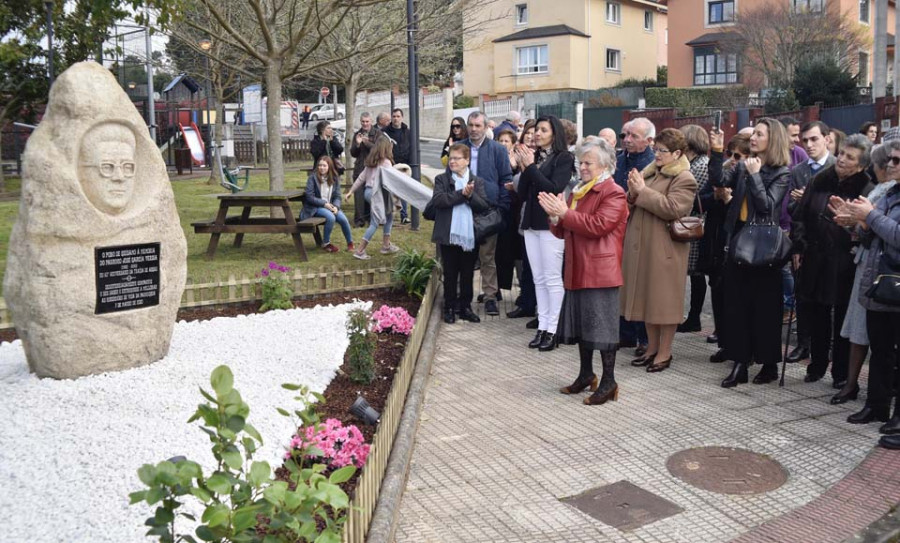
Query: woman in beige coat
[654,266]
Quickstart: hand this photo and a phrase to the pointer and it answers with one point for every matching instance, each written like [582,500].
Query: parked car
[326,112]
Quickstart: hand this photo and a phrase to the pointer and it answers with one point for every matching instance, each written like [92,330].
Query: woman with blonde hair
[654,264]
[753,295]
[381,155]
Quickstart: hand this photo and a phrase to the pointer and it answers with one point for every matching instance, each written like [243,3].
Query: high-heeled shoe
[549,342]
[601,396]
[582,383]
[737,376]
[659,366]
[839,398]
[538,338]
[643,360]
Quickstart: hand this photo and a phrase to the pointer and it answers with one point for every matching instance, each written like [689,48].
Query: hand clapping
[635,182]
[554,204]
[847,213]
[524,155]
[467,190]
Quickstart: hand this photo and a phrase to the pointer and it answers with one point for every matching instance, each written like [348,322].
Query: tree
[825,82]
[278,37]
[773,39]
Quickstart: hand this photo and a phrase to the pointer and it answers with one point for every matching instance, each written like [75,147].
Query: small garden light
[363,411]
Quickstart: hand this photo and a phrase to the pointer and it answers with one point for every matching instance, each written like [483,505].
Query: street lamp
[206,45]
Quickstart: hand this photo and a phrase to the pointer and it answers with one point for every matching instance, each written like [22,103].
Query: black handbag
[429,212]
[761,245]
[885,289]
[487,224]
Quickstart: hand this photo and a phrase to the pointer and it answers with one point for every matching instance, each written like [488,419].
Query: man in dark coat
[399,134]
[363,141]
[822,254]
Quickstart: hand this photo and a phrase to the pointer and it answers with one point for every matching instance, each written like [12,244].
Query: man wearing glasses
[107,167]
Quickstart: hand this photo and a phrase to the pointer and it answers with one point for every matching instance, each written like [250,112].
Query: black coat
[552,176]
[317,148]
[400,137]
[445,197]
[712,246]
[359,151]
[824,244]
[764,191]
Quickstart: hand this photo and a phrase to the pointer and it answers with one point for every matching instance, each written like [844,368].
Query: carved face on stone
[107,167]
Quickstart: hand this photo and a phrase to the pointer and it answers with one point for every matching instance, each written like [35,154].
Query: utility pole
[151,103]
[49,6]
[411,30]
[879,75]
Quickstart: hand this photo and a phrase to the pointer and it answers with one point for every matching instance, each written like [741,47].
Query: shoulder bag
[487,224]
[688,228]
[761,244]
[885,289]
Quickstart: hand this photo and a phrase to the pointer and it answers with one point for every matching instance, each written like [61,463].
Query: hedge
[693,101]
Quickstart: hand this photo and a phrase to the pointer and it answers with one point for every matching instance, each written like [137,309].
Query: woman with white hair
[592,225]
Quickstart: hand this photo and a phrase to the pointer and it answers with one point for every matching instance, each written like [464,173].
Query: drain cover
[726,470]
[623,505]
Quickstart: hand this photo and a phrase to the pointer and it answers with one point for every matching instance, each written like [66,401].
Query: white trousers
[545,255]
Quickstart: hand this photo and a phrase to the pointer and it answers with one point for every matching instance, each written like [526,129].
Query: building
[517,46]
[699,27]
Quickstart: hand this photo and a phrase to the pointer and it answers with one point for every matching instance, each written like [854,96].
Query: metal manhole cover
[726,470]
[623,505]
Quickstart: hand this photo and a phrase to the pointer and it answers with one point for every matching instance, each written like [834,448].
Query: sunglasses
[455,126]
[894,160]
[736,156]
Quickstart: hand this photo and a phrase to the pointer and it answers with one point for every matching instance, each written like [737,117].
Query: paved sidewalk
[498,447]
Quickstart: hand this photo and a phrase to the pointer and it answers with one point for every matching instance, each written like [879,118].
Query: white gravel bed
[70,450]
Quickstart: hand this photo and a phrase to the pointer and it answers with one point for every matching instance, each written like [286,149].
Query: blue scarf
[462,226]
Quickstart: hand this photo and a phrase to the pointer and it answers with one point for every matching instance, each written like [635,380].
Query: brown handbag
[688,228]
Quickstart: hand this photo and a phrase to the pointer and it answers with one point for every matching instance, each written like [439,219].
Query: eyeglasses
[108,168]
[455,126]
[657,150]
[453,158]
[894,160]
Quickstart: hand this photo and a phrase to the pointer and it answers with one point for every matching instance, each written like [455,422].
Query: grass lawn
[196,200]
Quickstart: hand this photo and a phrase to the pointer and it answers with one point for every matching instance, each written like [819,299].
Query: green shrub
[361,352]
[241,490]
[412,271]
[462,101]
[696,101]
[781,99]
[824,82]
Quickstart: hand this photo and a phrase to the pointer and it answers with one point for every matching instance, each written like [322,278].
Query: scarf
[582,189]
[462,225]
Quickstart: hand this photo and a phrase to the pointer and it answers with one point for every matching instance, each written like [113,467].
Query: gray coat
[884,236]
[801,175]
[446,197]
[313,200]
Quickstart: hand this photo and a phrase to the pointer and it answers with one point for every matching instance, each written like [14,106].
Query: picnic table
[245,224]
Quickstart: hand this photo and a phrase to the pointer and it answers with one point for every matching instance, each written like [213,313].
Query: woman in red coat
[592,224]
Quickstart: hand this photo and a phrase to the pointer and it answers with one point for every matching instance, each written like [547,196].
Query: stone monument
[96,263]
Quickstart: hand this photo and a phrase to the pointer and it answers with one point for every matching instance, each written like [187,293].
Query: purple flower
[265,273]
[273,265]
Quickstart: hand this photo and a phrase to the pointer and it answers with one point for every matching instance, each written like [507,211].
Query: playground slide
[195,143]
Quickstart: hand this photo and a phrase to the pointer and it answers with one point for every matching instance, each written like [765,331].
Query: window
[862,79]
[864,11]
[532,60]
[522,14]
[813,6]
[714,68]
[613,13]
[614,60]
[721,12]
[648,21]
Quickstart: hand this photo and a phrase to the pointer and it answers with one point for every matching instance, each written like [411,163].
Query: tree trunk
[350,119]
[2,178]
[273,124]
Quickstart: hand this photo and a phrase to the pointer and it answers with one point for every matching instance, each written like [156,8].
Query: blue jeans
[787,286]
[330,219]
[389,216]
[403,211]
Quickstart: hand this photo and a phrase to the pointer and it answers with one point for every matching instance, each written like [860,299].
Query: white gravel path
[70,450]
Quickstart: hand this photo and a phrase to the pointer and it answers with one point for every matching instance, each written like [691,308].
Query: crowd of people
[798,223]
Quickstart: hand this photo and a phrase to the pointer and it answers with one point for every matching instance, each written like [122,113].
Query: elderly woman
[654,264]
[592,225]
[822,254]
[323,199]
[458,195]
[753,295]
[549,169]
[854,328]
[697,153]
[881,227]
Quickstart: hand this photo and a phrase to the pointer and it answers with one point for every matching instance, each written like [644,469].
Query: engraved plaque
[127,277]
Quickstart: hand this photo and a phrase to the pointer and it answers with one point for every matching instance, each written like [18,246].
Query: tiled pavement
[498,447]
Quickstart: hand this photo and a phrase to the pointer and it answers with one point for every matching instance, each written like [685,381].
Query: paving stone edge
[884,530]
[386,516]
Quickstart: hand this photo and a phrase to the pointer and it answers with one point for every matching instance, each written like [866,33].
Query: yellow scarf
[581,189]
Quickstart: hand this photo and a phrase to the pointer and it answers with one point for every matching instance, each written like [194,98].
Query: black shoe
[532,324]
[797,354]
[518,313]
[837,385]
[643,360]
[810,377]
[891,427]
[449,316]
[549,342]
[718,357]
[490,308]
[738,376]
[689,325]
[538,339]
[890,442]
[467,314]
[713,338]
[641,350]
[839,398]
[869,414]
[767,374]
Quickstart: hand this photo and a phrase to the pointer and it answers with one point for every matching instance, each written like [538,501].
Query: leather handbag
[487,224]
[761,244]
[885,289]
[688,228]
